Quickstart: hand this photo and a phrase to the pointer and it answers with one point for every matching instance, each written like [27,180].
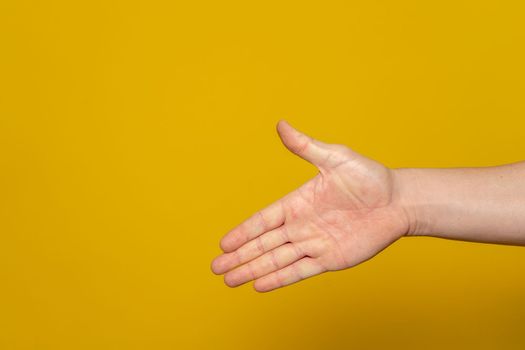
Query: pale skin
[355,207]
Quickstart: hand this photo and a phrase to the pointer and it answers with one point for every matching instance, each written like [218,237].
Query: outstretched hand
[343,216]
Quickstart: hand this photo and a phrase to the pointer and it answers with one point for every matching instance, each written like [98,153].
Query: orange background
[133,135]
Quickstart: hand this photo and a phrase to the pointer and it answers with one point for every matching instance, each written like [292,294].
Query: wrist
[411,194]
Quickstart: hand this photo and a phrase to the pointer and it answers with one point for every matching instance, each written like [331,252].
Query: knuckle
[297,272]
[238,257]
[341,149]
[298,251]
[285,234]
[274,260]
[251,271]
[259,245]
[263,220]
[279,281]
[302,145]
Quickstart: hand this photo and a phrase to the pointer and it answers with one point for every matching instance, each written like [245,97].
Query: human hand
[345,215]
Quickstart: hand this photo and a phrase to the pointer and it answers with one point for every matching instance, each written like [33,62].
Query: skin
[355,207]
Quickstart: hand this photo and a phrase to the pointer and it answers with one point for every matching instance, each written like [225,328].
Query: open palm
[343,216]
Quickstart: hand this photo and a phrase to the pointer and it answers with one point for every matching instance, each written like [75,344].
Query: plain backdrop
[135,134]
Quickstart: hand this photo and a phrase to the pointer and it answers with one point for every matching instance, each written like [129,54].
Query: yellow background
[133,135]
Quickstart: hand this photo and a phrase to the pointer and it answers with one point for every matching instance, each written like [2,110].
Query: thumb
[314,151]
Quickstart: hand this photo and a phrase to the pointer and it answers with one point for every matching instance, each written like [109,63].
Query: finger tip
[281,121]
[229,281]
[260,289]
[225,246]
[214,267]
[285,132]
[282,124]
[256,288]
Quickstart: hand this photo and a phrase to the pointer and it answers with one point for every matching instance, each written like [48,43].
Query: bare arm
[471,204]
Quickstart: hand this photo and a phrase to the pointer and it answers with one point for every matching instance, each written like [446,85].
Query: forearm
[472,204]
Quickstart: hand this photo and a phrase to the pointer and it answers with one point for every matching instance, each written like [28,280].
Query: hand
[343,216]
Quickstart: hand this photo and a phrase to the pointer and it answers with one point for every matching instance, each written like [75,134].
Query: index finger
[262,221]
